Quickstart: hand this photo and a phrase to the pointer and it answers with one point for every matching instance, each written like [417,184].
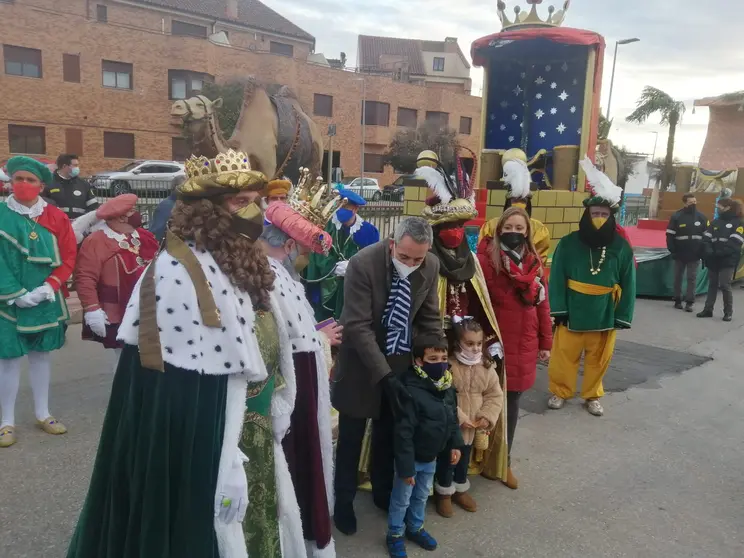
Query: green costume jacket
[573,261]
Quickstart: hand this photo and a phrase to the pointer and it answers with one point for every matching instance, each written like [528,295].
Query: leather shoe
[345,518]
[511,481]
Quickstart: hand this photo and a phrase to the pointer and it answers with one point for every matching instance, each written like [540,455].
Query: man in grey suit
[390,294]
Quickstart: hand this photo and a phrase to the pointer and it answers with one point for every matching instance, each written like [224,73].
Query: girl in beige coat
[480,400]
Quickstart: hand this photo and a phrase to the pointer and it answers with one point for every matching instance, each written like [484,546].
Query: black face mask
[593,237]
[691,208]
[512,240]
[435,370]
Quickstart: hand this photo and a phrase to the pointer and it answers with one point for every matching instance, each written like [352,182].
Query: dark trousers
[349,450]
[447,473]
[720,279]
[512,416]
[689,269]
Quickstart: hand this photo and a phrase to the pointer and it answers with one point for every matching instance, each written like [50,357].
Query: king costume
[190,461]
[462,286]
[592,295]
[37,256]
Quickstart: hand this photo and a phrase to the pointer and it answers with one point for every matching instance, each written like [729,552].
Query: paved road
[659,476]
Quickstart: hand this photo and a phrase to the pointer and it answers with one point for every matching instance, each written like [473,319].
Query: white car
[368,188]
[138,176]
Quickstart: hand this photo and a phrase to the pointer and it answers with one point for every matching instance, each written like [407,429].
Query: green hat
[22,163]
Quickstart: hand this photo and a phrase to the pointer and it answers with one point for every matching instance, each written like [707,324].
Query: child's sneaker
[396,547]
[422,538]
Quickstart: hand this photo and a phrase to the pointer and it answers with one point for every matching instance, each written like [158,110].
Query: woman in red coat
[514,276]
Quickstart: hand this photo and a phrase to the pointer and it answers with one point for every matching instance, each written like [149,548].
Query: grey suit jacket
[362,362]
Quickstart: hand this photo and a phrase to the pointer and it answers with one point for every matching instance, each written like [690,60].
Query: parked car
[394,191]
[139,176]
[368,188]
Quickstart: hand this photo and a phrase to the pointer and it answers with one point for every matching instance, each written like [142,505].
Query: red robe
[57,223]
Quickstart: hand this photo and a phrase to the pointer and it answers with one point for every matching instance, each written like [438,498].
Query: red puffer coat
[525,330]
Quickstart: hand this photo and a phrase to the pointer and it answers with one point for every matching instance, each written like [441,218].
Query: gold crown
[231,170]
[531,18]
[314,200]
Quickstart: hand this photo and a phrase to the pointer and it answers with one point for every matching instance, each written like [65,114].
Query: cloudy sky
[688,48]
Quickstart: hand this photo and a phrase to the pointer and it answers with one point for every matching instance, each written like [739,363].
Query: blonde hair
[529,245]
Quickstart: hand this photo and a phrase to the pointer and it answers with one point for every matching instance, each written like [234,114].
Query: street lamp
[614,61]
[364,123]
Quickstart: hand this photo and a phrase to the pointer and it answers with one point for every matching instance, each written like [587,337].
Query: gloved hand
[25,301]
[396,393]
[97,322]
[43,293]
[231,501]
[561,320]
[340,269]
[496,351]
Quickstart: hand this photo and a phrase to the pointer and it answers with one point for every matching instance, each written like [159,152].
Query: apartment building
[98,77]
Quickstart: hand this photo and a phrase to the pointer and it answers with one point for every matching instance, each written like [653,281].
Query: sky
[689,49]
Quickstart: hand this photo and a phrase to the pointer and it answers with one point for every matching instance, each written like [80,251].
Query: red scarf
[525,280]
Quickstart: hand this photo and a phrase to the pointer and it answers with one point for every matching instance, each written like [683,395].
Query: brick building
[98,77]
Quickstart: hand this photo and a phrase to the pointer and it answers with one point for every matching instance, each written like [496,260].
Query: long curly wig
[209,225]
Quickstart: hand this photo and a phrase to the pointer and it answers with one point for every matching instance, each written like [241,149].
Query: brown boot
[511,481]
[463,498]
[444,505]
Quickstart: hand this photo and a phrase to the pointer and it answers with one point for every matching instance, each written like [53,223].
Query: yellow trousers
[563,371]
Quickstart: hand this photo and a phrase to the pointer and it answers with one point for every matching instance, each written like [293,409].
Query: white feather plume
[517,177]
[436,182]
[601,184]
[84,225]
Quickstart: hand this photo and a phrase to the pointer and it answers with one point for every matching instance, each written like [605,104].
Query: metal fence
[383,215]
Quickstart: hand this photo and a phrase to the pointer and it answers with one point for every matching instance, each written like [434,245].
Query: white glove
[231,500]
[25,301]
[97,322]
[496,351]
[43,293]
[340,269]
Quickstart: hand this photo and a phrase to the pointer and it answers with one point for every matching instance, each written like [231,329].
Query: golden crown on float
[231,169]
[532,18]
[313,199]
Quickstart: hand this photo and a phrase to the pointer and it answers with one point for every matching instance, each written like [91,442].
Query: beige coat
[479,395]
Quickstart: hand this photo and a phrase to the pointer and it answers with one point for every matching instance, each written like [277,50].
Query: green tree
[406,145]
[653,101]
[231,94]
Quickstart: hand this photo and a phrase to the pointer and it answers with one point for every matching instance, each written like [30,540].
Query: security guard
[684,238]
[70,193]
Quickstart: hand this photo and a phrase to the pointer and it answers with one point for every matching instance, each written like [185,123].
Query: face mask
[402,269]
[468,357]
[451,238]
[25,192]
[75,172]
[249,221]
[302,261]
[344,215]
[435,370]
[691,208]
[512,240]
[598,222]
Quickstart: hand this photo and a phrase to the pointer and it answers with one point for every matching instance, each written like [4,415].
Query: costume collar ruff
[33,212]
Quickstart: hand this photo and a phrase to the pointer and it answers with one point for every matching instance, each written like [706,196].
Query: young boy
[426,426]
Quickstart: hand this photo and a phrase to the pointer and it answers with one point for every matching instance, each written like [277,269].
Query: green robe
[573,259]
[25,264]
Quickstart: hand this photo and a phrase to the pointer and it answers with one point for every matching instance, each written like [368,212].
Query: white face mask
[403,270]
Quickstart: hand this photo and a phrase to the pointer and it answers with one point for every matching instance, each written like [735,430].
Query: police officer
[684,238]
[70,193]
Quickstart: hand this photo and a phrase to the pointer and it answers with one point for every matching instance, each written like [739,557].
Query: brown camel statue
[285,130]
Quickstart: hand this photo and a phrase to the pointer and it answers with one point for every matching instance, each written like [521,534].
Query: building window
[281,48]
[180,149]
[117,145]
[102,13]
[439,119]
[184,84]
[20,61]
[373,162]
[71,68]
[376,114]
[27,140]
[466,125]
[184,29]
[74,141]
[322,105]
[438,64]
[117,75]
[407,118]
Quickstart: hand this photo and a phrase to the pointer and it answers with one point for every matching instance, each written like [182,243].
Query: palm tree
[654,100]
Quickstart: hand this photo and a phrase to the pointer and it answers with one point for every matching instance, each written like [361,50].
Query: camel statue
[292,141]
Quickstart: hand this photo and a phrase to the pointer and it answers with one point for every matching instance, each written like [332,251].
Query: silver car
[368,188]
[139,176]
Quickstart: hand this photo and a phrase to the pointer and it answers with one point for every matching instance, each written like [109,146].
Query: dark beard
[596,238]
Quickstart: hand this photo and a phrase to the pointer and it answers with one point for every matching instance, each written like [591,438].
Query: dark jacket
[427,426]
[684,235]
[723,241]
[74,196]
[362,362]
[161,216]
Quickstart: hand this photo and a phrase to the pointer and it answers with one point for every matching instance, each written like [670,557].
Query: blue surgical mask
[344,215]
[75,172]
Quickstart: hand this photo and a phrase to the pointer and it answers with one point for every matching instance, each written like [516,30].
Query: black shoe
[688,307]
[345,519]
[678,304]
[705,314]
[728,317]
[382,502]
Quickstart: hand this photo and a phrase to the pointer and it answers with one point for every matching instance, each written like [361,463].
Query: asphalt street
[660,475]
